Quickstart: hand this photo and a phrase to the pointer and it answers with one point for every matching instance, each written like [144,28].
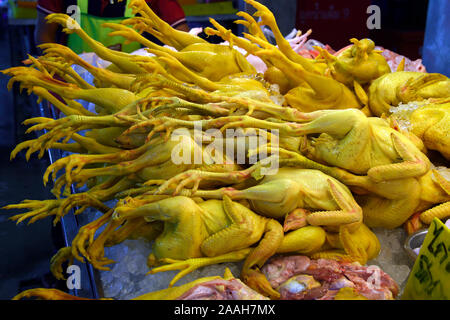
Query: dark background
[335,22]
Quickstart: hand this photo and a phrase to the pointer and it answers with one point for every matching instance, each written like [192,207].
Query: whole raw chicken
[405,86]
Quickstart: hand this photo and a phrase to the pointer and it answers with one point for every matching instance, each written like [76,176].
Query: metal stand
[70,226]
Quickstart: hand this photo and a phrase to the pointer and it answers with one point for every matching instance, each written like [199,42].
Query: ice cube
[393,259]
[113,289]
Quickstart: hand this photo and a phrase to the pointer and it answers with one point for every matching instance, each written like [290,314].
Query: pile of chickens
[329,123]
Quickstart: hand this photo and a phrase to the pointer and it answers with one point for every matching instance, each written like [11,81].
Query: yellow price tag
[430,276]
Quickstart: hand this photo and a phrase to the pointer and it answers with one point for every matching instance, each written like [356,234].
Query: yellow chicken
[404,86]
[349,140]
[359,62]
[390,202]
[431,123]
[209,232]
[214,231]
[197,54]
[278,195]
[309,89]
[302,197]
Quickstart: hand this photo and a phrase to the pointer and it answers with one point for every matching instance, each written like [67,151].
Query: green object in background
[92,25]
[205,9]
[21,13]
[430,276]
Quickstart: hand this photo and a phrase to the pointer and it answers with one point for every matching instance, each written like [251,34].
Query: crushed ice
[393,259]
[127,278]
[403,112]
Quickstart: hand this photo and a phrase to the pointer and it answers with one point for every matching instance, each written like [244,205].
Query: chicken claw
[69,24]
[256,280]
[47,294]
[82,243]
[39,209]
[189,265]
[196,176]
[64,254]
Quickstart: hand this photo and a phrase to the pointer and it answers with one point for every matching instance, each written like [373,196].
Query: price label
[430,276]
